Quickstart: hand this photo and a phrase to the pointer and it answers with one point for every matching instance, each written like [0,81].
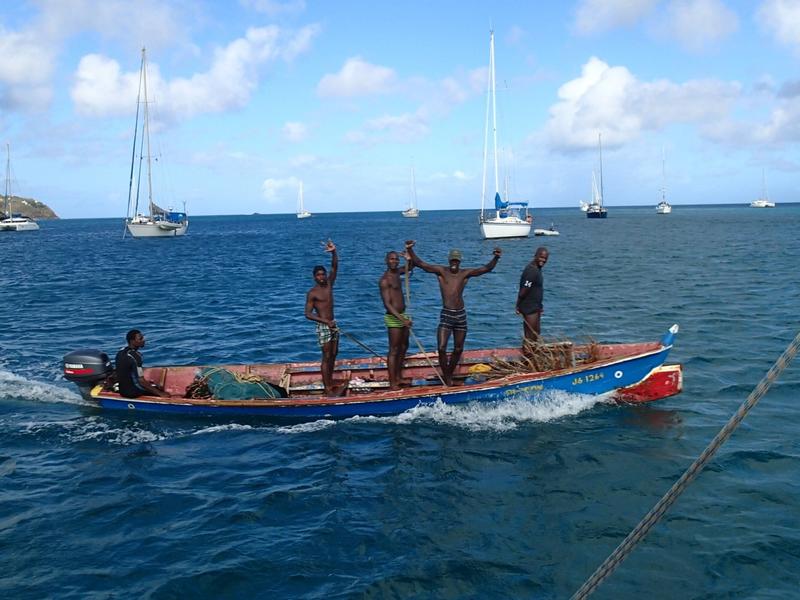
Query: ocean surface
[519,499]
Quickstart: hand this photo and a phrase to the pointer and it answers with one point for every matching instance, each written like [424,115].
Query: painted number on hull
[588,378]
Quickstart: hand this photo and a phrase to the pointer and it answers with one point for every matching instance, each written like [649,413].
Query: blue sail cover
[498,202]
[176,217]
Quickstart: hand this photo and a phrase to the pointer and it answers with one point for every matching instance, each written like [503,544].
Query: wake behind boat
[633,372]
[158,222]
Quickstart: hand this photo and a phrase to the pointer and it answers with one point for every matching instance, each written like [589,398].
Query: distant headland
[28,207]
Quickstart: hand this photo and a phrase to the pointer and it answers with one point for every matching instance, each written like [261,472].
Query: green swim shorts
[393,322]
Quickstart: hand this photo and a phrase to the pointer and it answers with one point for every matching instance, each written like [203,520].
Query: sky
[357,99]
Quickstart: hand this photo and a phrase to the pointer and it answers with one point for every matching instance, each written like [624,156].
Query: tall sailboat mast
[8,181]
[600,147]
[147,134]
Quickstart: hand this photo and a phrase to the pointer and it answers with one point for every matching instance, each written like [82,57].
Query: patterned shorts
[325,334]
[454,320]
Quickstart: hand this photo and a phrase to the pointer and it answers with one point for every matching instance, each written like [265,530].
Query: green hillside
[28,207]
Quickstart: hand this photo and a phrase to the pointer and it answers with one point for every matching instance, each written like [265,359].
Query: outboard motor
[87,368]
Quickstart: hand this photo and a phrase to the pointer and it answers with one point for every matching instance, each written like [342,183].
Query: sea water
[523,498]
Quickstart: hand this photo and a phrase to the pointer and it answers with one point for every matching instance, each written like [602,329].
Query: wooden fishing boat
[633,372]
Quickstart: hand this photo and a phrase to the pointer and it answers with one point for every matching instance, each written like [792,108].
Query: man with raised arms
[319,308]
[453,318]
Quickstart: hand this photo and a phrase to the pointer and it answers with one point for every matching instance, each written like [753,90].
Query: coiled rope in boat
[650,519]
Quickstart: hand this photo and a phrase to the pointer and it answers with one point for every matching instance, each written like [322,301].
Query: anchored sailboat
[10,221]
[158,222]
[302,213]
[412,211]
[595,210]
[763,201]
[663,207]
[507,219]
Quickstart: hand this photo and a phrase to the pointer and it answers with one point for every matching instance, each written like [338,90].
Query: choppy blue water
[517,499]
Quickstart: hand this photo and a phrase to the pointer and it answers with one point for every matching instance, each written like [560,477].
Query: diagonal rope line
[650,519]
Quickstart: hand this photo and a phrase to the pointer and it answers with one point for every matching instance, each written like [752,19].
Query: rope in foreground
[650,519]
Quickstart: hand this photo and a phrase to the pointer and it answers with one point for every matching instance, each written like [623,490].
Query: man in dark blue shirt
[130,375]
[530,296]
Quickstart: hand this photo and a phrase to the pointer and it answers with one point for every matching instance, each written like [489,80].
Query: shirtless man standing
[398,323]
[319,308]
[453,318]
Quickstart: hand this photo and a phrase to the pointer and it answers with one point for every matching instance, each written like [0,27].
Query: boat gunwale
[418,393]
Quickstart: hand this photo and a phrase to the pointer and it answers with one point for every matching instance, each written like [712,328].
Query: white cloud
[461,176]
[593,16]
[26,66]
[700,23]
[613,101]
[294,131]
[101,88]
[275,190]
[781,18]
[357,78]
[405,128]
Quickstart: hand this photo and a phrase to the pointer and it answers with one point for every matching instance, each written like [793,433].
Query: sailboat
[412,211]
[302,213]
[158,222]
[507,219]
[12,222]
[595,210]
[763,201]
[663,207]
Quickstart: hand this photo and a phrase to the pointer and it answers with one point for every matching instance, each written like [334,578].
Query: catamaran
[158,222]
[507,219]
[763,201]
[10,221]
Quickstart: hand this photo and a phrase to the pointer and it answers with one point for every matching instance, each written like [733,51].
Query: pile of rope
[543,355]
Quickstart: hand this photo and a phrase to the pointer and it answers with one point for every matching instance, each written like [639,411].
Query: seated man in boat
[319,308]
[398,323]
[530,296]
[128,365]
[453,318]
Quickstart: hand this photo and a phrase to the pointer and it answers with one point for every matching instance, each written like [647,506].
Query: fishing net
[223,384]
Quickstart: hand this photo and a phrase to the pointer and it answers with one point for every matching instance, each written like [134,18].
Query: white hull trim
[492,229]
[143,230]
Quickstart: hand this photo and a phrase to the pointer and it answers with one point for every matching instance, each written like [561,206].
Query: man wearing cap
[453,318]
[529,298]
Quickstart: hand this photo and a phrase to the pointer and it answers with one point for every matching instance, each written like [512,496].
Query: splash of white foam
[309,427]
[501,415]
[14,387]
[96,429]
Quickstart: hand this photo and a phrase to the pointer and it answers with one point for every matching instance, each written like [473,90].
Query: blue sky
[252,96]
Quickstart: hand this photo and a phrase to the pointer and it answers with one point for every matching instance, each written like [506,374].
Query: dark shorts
[454,320]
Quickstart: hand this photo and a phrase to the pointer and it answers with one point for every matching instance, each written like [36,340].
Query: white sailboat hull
[151,229]
[505,227]
[303,214]
[18,224]
[411,213]
[760,203]
[662,208]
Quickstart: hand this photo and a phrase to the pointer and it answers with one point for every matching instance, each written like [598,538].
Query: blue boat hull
[602,378]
